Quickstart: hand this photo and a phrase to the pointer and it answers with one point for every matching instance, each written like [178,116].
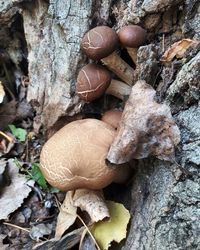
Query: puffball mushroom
[93,80]
[74,157]
[101,43]
[132,37]
[112,117]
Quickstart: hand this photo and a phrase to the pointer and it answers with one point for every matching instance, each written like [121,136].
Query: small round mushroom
[101,43]
[74,157]
[131,37]
[93,80]
[112,117]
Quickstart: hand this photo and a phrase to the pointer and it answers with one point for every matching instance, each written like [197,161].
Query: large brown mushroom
[112,117]
[101,43]
[93,80]
[74,157]
[132,37]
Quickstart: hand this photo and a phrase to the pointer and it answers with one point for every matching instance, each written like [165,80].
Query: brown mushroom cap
[99,42]
[132,36]
[112,117]
[92,82]
[74,157]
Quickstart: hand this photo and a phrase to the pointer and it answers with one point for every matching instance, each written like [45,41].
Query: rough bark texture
[165,197]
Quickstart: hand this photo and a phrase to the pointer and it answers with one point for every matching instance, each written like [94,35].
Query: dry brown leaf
[2,92]
[4,175]
[87,200]
[178,49]
[7,113]
[7,142]
[92,202]
[2,245]
[40,230]
[14,194]
[147,128]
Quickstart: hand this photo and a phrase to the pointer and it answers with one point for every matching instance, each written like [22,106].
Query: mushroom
[112,117]
[131,37]
[93,80]
[74,157]
[101,43]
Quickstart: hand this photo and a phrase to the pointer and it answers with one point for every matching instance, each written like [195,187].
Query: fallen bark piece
[146,128]
[178,50]
[87,200]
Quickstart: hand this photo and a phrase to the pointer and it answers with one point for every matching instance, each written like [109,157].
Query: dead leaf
[40,230]
[14,194]
[7,142]
[4,175]
[7,113]
[87,200]
[67,242]
[115,229]
[178,49]
[67,215]
[2,245]
[146,128]
[2,92]
[92,202]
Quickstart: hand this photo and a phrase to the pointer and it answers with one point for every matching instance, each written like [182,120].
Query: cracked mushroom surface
[74,157]
[93,80]
[100,43]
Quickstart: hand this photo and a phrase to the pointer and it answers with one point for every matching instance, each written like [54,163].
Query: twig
[57,202]
[10,139]
[13,225]
[163,43]
[89,232]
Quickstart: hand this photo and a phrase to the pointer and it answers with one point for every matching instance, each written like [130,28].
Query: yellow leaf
[114,229]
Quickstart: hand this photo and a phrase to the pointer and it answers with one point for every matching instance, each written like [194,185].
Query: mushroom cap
[132,36]
[99,42]
[74,157]
[92,82]
[112,117]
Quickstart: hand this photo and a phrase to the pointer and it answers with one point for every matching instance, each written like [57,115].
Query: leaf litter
[9,201]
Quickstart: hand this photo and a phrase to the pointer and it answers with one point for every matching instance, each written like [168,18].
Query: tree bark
[164,197]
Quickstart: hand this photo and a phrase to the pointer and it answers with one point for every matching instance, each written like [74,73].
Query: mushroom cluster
[101,43]
[75,156]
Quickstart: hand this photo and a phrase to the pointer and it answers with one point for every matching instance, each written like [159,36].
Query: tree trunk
[164,197]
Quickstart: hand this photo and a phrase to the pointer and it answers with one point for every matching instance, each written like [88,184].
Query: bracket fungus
[74,157]
[94,79]
[132,37]
[101,43]
[146,128]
